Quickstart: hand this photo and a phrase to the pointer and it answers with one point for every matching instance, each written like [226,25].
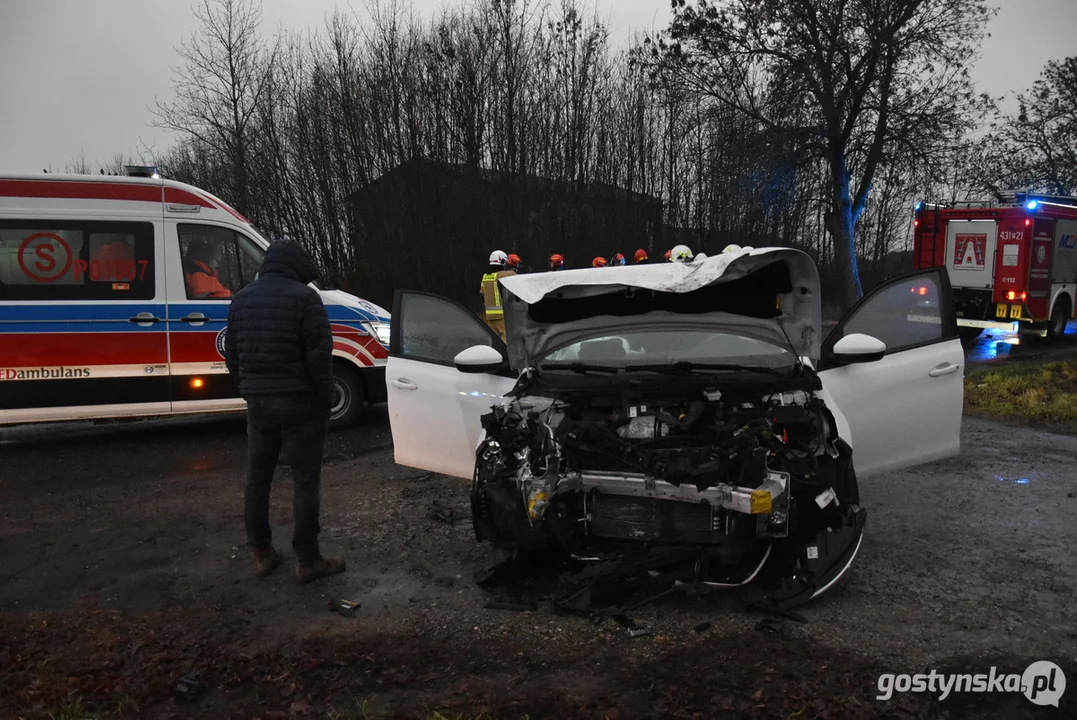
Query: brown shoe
[266,561]
[322,567]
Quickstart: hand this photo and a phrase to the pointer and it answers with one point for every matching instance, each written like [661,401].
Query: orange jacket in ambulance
[202,282]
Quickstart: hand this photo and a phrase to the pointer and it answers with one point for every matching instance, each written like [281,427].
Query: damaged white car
[681,417]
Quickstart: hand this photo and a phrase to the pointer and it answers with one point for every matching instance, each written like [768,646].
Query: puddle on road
[1015,481]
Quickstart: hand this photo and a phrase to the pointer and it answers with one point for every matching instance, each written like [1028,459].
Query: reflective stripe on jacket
[491,293]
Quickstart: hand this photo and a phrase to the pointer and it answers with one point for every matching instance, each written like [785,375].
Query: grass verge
[1039,392]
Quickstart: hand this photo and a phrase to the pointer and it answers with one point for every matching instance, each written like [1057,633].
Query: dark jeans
[297,425]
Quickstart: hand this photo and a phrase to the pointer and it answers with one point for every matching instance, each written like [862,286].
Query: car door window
[907,312]
[434,329]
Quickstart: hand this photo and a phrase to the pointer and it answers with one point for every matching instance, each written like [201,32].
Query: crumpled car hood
[530,340]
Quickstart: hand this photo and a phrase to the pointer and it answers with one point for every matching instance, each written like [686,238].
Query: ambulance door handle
[195,318]
[404,384]
[144,319]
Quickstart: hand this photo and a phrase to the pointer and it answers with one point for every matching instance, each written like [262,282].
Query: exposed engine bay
[706,479]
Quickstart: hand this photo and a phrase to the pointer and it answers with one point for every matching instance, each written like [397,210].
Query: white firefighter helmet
[732,248]
[700,257]
[497,257]
[681,254]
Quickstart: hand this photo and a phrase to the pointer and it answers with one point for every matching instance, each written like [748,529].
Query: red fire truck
[1012,264]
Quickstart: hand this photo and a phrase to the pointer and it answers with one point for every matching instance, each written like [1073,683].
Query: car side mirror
[859,348]
[479,359]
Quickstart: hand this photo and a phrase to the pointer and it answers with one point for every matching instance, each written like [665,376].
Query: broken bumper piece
[750,501]
[821,563]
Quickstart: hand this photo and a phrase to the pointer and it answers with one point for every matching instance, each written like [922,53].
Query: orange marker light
[1024,295]
[197,383]
[923,291]
[1011,295]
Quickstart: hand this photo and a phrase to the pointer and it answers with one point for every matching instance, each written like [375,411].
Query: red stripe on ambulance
[88,348]
[193,347]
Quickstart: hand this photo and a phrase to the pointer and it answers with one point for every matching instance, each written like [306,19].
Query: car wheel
[348,401]
[1059,317]
[969,336]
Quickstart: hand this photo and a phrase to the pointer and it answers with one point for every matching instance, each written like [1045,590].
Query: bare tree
[871,77]
[1036,148]
[226,65]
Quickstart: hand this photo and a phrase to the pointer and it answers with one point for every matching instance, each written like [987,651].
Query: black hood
[290,260]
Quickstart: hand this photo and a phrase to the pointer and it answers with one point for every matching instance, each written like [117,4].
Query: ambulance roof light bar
[146,171]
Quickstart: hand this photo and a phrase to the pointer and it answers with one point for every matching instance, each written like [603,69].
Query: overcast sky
[77,76]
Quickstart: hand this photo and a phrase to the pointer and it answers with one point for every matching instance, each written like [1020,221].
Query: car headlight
[381,331]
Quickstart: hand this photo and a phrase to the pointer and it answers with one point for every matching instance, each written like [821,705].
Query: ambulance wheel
[348,402]
[1059,317]
[968,335]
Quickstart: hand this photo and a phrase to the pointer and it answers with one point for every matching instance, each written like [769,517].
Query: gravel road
[967,563]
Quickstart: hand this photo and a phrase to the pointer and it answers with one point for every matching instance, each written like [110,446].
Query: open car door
[903,409]
[434,409]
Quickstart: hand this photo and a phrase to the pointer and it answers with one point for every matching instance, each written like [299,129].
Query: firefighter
[598,262]
[513,263]
[681,254]
[641,257]
[491,292]
[617,259]
[557,262]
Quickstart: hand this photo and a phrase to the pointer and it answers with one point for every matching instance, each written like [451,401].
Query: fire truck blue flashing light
[1032,204]
[918,206]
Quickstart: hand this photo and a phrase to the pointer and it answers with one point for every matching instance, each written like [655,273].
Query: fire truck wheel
[349,398]
[969,336]
[1059,317]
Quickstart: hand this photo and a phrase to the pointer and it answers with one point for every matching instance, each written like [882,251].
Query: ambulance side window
[217,261]
[65,260]
[250,258]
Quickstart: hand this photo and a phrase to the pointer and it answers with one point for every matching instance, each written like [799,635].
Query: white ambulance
[100,314]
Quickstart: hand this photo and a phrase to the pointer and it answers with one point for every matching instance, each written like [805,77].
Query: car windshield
[650,348]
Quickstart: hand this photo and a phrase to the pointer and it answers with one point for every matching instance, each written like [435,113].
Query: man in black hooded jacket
[279,350]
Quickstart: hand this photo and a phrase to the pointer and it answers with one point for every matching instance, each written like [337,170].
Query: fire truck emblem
[1041,255]
[970,251]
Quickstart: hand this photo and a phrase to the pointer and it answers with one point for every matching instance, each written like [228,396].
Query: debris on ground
[517,606]
[773,610]
[441,512]
[187,689]
[345,608]
[772,624]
